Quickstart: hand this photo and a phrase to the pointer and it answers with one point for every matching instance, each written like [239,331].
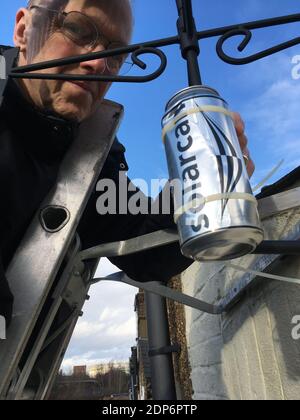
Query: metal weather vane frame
[188,39]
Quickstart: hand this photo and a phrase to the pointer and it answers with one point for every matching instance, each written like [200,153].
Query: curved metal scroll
[247,38]
[24,72]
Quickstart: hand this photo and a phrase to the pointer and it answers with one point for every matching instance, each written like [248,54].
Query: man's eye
[75,29]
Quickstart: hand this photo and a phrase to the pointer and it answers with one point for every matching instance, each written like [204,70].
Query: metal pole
[133,373]
[160,350]
[189,40]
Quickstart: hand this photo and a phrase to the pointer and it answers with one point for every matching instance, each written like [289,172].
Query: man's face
[76,100]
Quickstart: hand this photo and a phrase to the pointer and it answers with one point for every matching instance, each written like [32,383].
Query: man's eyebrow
[105,30]
[118,44]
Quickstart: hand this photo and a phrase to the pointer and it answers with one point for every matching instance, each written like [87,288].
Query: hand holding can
[239,126]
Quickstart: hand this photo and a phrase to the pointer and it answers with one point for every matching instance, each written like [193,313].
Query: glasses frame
[112,70]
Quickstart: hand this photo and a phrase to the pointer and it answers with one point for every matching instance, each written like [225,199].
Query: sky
[266,93]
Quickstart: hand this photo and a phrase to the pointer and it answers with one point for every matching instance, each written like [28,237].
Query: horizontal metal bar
[87,78]
[278,248]
[161,238]
[99,77]
[256,24]
[95,56]
[161,290]
[222,306]
[131,246]
[175,348]
[278,203]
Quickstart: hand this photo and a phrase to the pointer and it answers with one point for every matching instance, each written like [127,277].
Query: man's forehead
[48,3]
[111,6]
[114,15]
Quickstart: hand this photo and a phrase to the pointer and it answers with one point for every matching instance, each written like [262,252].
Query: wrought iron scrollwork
[187,38]
[247,38]
[25,71]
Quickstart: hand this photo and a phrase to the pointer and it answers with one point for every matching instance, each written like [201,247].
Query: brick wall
[248,353]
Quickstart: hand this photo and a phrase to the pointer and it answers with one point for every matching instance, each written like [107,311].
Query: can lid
[191,92]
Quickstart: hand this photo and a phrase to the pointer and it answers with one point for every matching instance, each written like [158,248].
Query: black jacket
[32,146]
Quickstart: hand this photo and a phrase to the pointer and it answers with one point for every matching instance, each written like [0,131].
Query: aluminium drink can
[215,210]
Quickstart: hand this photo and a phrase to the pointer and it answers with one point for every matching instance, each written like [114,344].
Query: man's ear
[20,31]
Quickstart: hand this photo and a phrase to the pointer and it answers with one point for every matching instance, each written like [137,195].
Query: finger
[238,123]
[246,152]
[243,140]
[250,168]
[248,162]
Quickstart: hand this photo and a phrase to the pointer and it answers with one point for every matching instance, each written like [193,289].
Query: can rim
[190,88]
[214,94]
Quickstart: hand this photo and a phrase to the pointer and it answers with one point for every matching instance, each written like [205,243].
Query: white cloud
[85,329]
[105,268]
[276,111]
[124,329]
[273,124]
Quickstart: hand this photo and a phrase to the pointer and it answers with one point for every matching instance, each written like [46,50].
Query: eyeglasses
[82,31]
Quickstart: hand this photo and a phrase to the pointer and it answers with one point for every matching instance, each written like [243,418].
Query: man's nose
[97,66]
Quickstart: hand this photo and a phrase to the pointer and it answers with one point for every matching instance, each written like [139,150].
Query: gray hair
[42,25]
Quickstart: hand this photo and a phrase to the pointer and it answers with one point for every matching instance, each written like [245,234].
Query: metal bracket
[222,306]
[161,290]
[175,348]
